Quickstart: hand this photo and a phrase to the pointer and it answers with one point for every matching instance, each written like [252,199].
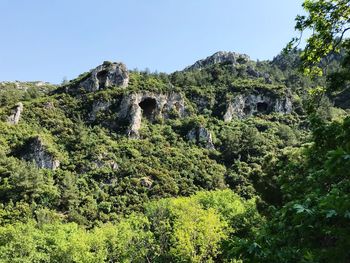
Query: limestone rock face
[15,114]
[245,105]
[106,75]
[201,136]
[37,152]
[220,57]
[151,106]
[104,162]
[98,106]
[256,74]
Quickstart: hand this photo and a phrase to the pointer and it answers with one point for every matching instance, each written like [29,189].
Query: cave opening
[262,107]
[102,78]
[247,110]
[148,107]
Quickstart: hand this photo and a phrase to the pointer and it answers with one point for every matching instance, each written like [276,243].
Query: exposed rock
[256,74]
[342,99]
[252,72]
[15,114]
[106,75]
[113,165]
[49,105]
[220,57]
[151,106]
[201,136]
[203,103]
[98,106]
[267,78]
[102,162]
[37,152]
[245,105]
[146,182]
[235,108]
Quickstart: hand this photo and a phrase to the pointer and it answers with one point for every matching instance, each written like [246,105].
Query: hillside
[139,153]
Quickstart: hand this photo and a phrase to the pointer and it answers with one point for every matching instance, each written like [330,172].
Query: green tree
[313,223]
[185,231]
[328,20]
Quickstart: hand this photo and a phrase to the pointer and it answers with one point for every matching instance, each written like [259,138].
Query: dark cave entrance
[102,78]
[247,110]
[262,107]
[148,107]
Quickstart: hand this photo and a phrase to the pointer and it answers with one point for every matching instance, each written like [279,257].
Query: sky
[50,40]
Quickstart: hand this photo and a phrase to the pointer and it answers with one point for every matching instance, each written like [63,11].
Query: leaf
[299,208]
[347,157]
[302,209]
[347,214]
[331,213]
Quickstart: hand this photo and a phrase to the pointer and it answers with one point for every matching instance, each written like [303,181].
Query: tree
[185,231]
[328,20]
[313,223]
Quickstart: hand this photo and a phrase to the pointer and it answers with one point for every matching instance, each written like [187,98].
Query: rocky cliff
[255,102]
[133,107]
[150,106]
[220,57]
[15,114]
[123,101]
[36,151]
[107,75]
[122,137]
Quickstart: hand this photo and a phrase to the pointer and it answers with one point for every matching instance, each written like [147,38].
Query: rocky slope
[126,137]
[167,162]
[134,106]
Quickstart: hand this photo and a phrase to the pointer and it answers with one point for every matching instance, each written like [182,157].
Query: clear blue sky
[51,39]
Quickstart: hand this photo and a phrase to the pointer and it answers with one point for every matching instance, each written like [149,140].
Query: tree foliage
[328,21]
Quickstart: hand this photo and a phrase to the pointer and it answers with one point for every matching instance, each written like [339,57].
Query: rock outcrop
[146,182]
[220,57]
[15,114]
[245,105]
[103,162]
[342,99]
[36,151]
[151,106]
[106,75]
[256,74]
[202,137]
[97,106]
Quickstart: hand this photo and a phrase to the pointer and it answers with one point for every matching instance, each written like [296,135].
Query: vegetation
[275,188]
